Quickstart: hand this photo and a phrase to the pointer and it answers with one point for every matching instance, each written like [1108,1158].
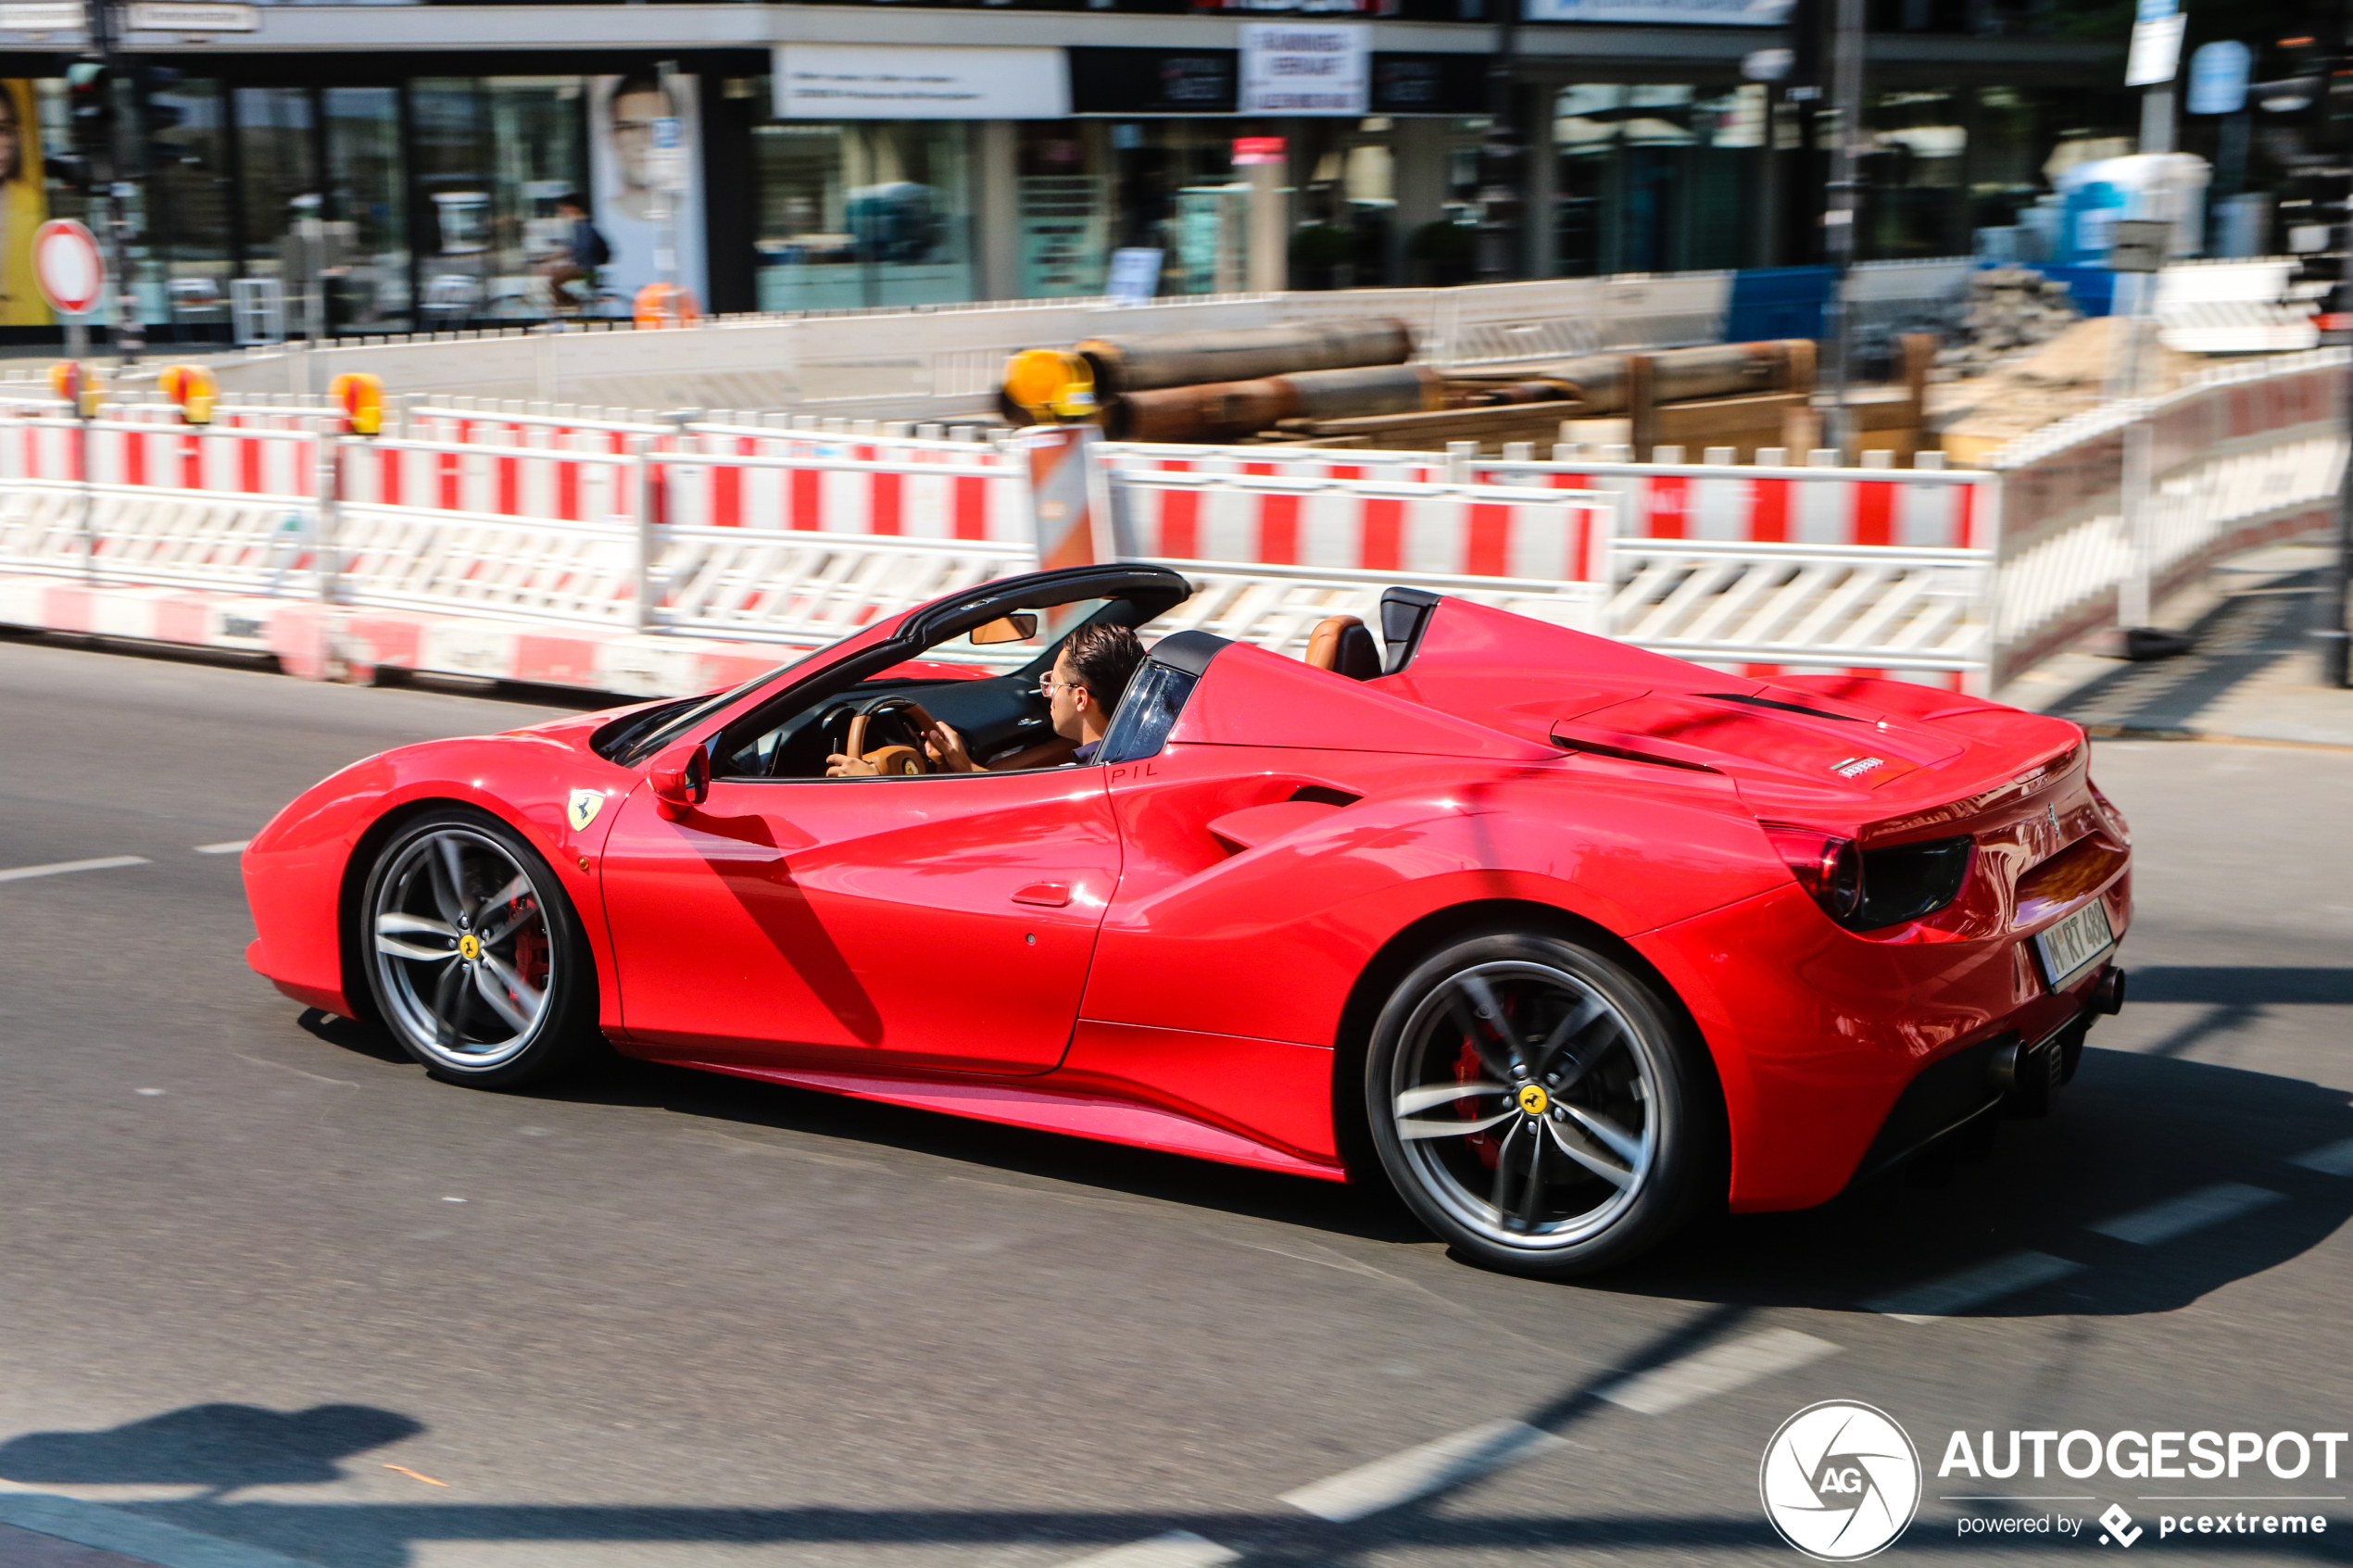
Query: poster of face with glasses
[24,205]
[645,158]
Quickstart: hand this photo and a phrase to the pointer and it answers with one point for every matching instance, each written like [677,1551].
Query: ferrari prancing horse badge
[586,804]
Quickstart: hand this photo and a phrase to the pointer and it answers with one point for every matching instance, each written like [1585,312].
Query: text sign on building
[191,16]
[43,16]
[1299,67]
[919,81]
[1706,13]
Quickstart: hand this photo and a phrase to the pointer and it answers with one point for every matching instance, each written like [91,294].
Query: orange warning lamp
[78,384]
[192,388]
[362,399]
[665,305]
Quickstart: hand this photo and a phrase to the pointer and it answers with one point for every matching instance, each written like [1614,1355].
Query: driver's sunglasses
[1047,683]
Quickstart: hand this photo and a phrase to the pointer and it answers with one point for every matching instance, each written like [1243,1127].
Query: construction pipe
[1229,410]
[1126,365]
[1681,375]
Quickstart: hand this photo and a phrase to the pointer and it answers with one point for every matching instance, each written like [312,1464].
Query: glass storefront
[1656,177]
[862,213]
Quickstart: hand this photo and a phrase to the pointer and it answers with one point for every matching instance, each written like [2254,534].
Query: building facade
[413,156]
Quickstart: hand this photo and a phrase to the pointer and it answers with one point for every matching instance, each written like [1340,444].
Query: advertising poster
[628,168]
[24,205]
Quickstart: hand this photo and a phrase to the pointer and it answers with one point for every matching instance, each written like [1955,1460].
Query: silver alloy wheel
[1527,1103]
[464,959]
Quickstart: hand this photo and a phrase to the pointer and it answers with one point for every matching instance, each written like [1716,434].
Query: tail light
[1828,867]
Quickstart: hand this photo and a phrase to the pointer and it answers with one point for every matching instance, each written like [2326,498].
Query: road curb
[151,1540]
[321,641]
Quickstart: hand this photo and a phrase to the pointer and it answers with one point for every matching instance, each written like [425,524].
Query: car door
[944,920]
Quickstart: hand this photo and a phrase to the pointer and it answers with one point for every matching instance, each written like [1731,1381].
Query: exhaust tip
[2108,994]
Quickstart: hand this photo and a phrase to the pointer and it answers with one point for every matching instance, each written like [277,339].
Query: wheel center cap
[1533,1099]
[470,949]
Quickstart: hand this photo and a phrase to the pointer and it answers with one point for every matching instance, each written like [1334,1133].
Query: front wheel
[1539,1106]
[477,964]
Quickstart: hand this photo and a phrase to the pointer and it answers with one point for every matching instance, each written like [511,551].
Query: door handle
[1052,895]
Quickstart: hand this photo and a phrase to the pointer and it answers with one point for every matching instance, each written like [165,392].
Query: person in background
[583,252]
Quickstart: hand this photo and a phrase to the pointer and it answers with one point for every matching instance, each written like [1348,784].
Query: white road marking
[107,862]
[1416,1472]
[150,1091]
[2330,1160]
[2191,1211]
[229,848]
[1971,1287]
[1719,1369]
[1178,1549]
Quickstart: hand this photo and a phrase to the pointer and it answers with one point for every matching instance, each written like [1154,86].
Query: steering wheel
[895,758]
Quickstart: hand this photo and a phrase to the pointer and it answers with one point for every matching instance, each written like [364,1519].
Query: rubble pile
[2009,308]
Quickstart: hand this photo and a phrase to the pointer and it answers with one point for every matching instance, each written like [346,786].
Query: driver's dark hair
[1104,658]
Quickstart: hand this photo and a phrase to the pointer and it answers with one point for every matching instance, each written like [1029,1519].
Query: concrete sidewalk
[25,1548]
[2252,674]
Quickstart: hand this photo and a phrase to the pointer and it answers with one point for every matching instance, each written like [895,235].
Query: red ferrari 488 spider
[1563,939]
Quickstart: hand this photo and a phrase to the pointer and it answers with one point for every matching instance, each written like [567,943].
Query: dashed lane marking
[1971,1287]
[2191,1211]
[233,848]
[106,862]
[2330,1160]
[1416,1472]
[1719,1369]
[1178,1549]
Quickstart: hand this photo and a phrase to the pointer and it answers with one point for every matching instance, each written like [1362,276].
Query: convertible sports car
[1565,939]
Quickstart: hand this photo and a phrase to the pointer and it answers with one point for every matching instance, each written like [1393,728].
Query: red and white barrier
[1359,525]
[1917,508]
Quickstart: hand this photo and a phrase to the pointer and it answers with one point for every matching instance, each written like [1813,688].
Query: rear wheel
[475,955]
[1537,1105]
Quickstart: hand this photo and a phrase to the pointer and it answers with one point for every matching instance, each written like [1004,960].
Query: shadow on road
[2134,1129]
[306,1446]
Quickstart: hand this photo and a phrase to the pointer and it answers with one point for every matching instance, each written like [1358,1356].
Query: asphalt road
[261,1279]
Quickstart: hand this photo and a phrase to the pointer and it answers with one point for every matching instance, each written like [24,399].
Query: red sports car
[1563,939]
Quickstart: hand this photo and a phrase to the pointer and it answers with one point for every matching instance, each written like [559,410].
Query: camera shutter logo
[1840,1481]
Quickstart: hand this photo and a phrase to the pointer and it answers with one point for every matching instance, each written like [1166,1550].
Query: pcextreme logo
[1840,1481]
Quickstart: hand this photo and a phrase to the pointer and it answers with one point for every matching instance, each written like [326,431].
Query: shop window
[191,253]
[1063,199]
[368,210]
[491,157]
[1656,177]
[862,213]
[281,180]
[1915,176]
[1174,191]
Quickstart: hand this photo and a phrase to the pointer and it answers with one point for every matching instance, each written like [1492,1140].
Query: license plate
[2074,945]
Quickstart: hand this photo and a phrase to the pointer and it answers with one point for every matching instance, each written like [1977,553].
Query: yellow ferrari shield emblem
[583,810]
[470,947]
[1534,1100]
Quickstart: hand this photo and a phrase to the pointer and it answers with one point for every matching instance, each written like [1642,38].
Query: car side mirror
[680,779]
[1013,628]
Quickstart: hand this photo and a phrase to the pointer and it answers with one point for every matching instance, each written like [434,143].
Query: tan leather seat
[1340,645]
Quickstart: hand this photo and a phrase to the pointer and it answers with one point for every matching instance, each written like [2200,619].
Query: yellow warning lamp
[78,384]
[664,305]
[1050,384]
[362,399]
[192,388]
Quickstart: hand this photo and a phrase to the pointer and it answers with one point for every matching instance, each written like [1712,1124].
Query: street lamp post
[1839,218]
[114,171]
[1499,155]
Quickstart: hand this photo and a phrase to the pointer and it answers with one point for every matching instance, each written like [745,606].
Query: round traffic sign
[66,264]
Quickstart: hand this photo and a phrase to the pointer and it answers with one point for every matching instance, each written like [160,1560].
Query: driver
[1090,674]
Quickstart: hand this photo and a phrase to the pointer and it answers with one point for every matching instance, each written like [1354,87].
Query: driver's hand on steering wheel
[841,765]
[947,749]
